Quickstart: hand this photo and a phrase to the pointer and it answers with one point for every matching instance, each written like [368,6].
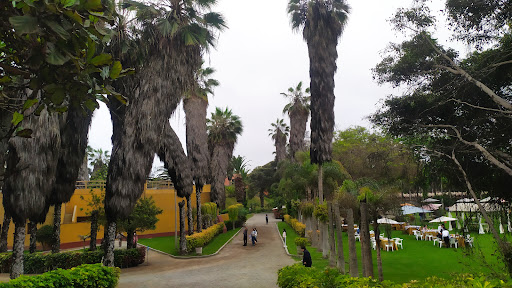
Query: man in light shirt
[446,237]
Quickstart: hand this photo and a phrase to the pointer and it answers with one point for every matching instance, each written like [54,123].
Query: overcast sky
[259,57]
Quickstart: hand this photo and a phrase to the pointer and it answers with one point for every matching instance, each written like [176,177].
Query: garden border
[282,240]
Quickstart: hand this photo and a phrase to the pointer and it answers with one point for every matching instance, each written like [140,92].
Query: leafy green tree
[143,217]
[261,179]
[240,171]
[322,23]
[96,212]
[298,111]
[99,160]
[224,127]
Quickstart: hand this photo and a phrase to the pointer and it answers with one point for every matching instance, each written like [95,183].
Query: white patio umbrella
[443,219]
[413,210]
[386,221]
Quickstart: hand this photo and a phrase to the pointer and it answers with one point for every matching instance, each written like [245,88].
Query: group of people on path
[253,235]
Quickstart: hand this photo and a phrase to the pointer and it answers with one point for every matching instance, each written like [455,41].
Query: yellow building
[74,219]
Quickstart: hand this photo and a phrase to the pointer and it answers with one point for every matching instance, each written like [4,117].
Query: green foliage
[320,212]
[44,235]
[209,212]
[233,212]
[87,275]
[297,226]
[204,237]
[307,209]
[143,217]
[230,191]
[301,242]
[39,263]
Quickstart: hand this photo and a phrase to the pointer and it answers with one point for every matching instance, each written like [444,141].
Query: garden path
[235,266]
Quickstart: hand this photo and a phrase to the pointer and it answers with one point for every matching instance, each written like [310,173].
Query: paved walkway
[235,266]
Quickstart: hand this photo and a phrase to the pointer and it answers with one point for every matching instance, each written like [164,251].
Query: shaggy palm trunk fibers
[5,232]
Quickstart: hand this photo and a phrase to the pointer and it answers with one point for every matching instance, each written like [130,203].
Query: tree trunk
[379,258]
[262,199]
[56,228]
[183,240]
[341,257]
[94,230]
[366,250]
[316,237]
[17,250]
[352,253]
[320,184]
[190,215]
[332,241]
[5,232]
[129,239]
[32,230]
[109,239]
[198,205]
[325,239]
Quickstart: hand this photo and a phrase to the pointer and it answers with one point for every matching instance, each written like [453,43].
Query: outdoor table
[432,233]
[460,240]
[384,241]
[399,226]
[410,228]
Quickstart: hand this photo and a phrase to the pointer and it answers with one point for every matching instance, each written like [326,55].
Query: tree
[322,22]
[298,111]
[99,160]
[166,45]
[96,212]
[461,105]
[240,177]
[223,130]
[262,178]
[143,217]
[195,104]
[279,133]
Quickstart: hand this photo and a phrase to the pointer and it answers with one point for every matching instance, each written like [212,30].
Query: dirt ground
[235,266]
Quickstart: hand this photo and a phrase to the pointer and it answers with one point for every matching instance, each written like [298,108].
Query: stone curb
[193,257]
[282,240]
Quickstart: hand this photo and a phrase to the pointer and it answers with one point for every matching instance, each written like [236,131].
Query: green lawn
[420,259]
[166,244]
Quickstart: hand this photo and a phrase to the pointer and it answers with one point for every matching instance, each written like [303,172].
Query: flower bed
[296,225]
[203,238]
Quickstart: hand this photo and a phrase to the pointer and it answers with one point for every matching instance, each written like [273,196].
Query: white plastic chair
[436,239]
[418,234]
[389,245]
[453,242]
[358,237]
[469,240]
[399,242]
[374,245]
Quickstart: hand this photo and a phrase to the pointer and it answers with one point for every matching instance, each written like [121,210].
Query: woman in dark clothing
[306,260]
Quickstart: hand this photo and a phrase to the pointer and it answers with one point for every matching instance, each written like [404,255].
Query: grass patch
[421,259]
[166,244]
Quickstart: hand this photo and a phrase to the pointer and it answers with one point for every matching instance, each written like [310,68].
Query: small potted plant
[299,242]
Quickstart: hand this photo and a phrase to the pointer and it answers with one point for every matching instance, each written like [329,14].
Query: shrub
[204,237]
[296,225]
[321,213]
[44,235]
[233,212]
[301,241]
[39,263]
[84,276]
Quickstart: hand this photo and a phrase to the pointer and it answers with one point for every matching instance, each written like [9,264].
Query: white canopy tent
[413,210]
[443,219]
[386,221]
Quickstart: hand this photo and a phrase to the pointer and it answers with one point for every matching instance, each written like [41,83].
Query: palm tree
[240,172]
[298,111]
[99,160]
[165,47]
[31,170]
[195,105]
[322,23]
[223,130]
[279,133]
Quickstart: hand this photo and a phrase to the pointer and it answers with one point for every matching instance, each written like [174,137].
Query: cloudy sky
[259,57]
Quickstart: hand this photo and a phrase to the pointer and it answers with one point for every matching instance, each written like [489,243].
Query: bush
[39,263]
[320,213]
[44,235]
[95,275]
[301,241]
[296,225]
[299,276]
[204,237]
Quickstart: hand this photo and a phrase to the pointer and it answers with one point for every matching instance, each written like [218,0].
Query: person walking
[284,237]
[253,237]
[266,218]
[245,235]
[306,260]
[256,235]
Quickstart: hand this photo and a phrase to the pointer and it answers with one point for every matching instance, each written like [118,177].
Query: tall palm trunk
[108,243]
[32,230]
[198,203]
[190,215]
[17,250]
[129,239]
[325,239]
[332,241]
[5,232]
[366,250]
[221,156]
[320,184]
[340,256]
[298,121]
[352,253]
[280,143]
[56,228]
[239,189]
[183,241]
[94,230]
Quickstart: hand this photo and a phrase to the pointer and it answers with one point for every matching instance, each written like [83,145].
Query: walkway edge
[193,257]
[282,240]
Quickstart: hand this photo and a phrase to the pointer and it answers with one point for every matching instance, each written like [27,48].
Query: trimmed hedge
[299,276]
[203,238]
[296,225]
[37,263]
[83,276]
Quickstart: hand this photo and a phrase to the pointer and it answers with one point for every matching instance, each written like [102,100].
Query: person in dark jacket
[306,260]
[245,235]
